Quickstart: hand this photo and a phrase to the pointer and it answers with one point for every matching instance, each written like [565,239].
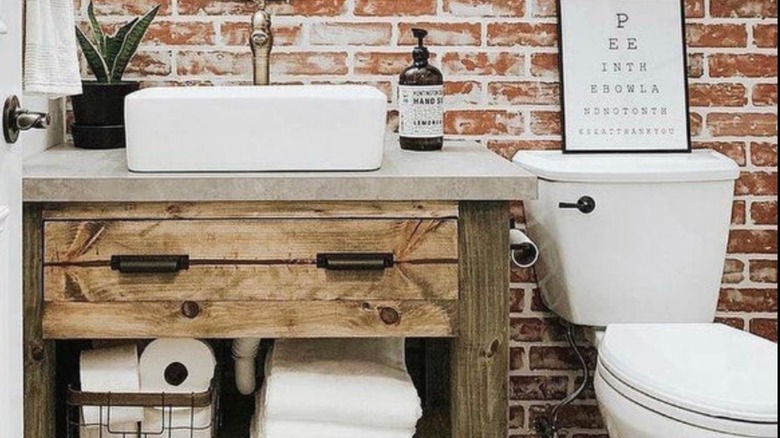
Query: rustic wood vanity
[418,249]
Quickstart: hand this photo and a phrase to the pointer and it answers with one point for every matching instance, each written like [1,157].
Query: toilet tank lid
[699,166]
[709,369]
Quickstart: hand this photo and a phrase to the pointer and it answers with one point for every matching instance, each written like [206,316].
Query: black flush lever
[585,205]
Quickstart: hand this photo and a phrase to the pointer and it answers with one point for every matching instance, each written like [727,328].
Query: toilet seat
[705,375]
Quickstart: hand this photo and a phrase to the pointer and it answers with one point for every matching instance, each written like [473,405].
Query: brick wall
[499,57]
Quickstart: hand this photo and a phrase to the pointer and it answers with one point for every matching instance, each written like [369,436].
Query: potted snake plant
[99,113]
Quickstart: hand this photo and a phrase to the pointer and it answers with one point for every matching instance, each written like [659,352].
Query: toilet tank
[652,250]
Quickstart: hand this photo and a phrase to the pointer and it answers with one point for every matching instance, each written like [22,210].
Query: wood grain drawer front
[276,241]
[251,278]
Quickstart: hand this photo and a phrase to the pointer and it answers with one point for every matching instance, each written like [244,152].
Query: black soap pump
[421,101]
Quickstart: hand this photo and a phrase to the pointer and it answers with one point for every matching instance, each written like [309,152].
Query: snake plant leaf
[97,31]
[93,56]
[114,43]
[130,44]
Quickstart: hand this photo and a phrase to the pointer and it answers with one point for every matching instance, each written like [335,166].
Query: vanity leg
[39,355]
[480,361]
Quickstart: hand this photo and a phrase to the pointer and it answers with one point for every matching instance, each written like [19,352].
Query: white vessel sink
[256,129]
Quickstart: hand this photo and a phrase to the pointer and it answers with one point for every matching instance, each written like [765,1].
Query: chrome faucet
[262,42]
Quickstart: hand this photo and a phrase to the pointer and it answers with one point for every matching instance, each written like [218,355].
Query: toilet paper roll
[177,366]
[525,253]
[111,370]
[178,423]
[118,431]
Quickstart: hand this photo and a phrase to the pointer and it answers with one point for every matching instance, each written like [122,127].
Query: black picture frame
[563,80]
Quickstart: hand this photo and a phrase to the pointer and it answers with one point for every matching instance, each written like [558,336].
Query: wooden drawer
[251,272]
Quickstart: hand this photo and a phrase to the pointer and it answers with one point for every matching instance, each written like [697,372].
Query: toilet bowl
[633,248]
[687,381]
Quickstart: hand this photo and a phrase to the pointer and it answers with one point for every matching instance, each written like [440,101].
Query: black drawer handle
[355,262]
[148,264]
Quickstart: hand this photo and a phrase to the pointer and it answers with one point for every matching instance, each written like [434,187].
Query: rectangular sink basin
[256,129]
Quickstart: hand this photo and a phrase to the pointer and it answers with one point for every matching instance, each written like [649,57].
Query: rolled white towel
[263,427]
[358,382]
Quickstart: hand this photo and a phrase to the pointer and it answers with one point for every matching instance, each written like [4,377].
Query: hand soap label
[421,111]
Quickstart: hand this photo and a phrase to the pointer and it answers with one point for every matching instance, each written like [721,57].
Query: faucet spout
[262,42]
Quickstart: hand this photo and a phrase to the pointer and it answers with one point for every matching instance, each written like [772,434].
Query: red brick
[546,123]
[180,33]
[734,272]
[146,64]
[717,35]
[695,9]
[463,93]
[545,65]
[697,124]
[765,36]
[753,242]
[763,271]
[216,63]
[485,8]
[766,328]
[245,8]
[736,150]
[749,66]
[132,7]
[523,34]
[763,154]
[739,213]
[351,34]
[748,300]
[524,93]
[765,95]
[516,358]
[537,330]
[696,65]
[742,124]
[737,323]
[558,358]
[482,63]
[517,300]
[757,183]
[310,63]
[744,8]
[483,123]
[545,8]
[575,416]
[538,387]
[389,64]
[393,8]
[708,95]
[763,213]
[443,34]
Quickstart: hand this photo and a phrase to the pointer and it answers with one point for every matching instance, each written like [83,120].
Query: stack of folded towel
[330,388]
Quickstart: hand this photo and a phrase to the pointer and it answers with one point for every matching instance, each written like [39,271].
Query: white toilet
[633,246]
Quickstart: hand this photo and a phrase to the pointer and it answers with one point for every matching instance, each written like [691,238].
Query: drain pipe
[245,353]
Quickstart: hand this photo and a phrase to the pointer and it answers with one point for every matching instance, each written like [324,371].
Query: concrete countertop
[464,171]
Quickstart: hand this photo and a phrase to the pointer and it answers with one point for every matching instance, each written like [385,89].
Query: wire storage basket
[177,415]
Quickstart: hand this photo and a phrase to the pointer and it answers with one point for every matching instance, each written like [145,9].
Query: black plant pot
[99,115]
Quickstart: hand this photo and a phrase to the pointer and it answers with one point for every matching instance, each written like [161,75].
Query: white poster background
[624,76]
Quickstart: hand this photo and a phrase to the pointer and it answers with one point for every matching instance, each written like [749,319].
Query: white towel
[263,427]
[361,382]
[51,57]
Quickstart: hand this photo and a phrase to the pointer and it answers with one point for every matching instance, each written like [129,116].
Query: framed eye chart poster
[624,76]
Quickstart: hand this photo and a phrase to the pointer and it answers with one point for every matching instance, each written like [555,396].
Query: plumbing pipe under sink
[245,353]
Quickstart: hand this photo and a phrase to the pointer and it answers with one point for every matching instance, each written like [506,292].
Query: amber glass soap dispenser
[421,100]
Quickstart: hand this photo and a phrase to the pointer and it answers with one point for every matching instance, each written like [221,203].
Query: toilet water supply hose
[548,427]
